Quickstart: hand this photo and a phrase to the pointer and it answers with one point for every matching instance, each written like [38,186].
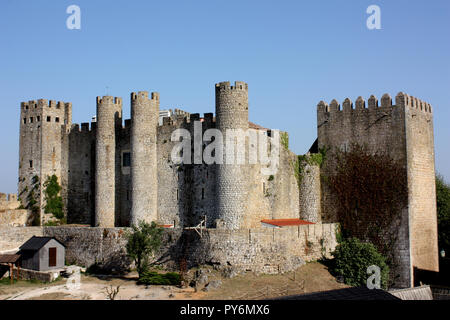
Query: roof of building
[166,225]
[415,293]
[286,222]
[9,258]
[35,243]
[252,125]
[354,293]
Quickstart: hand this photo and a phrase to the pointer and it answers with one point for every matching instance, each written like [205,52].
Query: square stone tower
[43,124]
[404,131]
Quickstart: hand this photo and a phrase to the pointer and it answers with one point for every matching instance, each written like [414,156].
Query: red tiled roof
[252,125]
[286,222]
[166,225]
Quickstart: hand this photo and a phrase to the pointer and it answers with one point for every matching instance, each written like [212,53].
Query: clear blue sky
[291,53]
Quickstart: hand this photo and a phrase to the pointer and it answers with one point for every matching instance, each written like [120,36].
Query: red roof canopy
[286,222]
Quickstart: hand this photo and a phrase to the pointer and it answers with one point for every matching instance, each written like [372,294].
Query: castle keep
[115,173]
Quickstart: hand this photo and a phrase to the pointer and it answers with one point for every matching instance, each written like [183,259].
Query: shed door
[52,257]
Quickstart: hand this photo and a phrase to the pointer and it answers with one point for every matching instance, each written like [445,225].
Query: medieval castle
[114,174]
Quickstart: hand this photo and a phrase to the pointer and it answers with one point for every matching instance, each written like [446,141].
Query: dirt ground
[311,277]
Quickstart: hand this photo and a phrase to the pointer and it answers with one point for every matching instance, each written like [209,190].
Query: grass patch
[155,278]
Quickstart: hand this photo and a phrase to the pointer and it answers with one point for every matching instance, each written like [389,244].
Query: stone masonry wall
[264,250]
[421,184]
[18,217]
[11,238]
[379,128]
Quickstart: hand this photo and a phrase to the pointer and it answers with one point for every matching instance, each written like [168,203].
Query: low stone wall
[261,250]
[14,218]
[86,246]
[11,238]
[26,274]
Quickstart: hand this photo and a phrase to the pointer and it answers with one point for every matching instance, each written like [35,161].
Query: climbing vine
[369,191]
[32,201]
[312,159]
[54,203]
[284,137]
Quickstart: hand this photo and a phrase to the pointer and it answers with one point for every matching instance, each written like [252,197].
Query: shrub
[353,257]
[143,241]
[155,278]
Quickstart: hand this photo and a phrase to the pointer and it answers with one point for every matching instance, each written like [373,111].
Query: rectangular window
[203,193]
[56,119]
[48,119]
[38,118]
[24,120]
[52,257]
[31,163]
[126,161]
[31,120]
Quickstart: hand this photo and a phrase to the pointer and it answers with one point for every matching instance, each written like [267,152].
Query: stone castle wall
[41,147]
[186,193]
[421,183]
[404,131]
[264,250]
[11,238]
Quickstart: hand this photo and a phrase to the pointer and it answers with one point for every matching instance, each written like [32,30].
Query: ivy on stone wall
[32,201]
[54,203]
[312,159]
[284,138]
[370,191]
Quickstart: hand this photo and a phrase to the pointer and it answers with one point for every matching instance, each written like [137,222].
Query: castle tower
[144,180]
[42,126]
[404,131]
[109,120]
[231,192]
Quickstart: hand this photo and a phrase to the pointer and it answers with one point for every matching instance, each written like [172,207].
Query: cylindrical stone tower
[231,189]
[109,115]
[144,179]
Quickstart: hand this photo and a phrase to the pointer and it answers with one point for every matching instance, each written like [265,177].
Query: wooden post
[11,274]
[18,272]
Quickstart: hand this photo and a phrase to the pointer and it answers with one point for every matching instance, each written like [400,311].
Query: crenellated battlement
[401,99]
[144,95]
[84,127]
[109,100]
[225,86]
[44,103]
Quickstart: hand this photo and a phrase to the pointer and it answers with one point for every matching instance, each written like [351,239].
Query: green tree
[443,212]
[143,240]
[353,257]
[54,203]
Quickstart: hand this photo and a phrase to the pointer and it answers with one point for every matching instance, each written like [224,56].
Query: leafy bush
[353,257]
[143,241]
[155,278]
